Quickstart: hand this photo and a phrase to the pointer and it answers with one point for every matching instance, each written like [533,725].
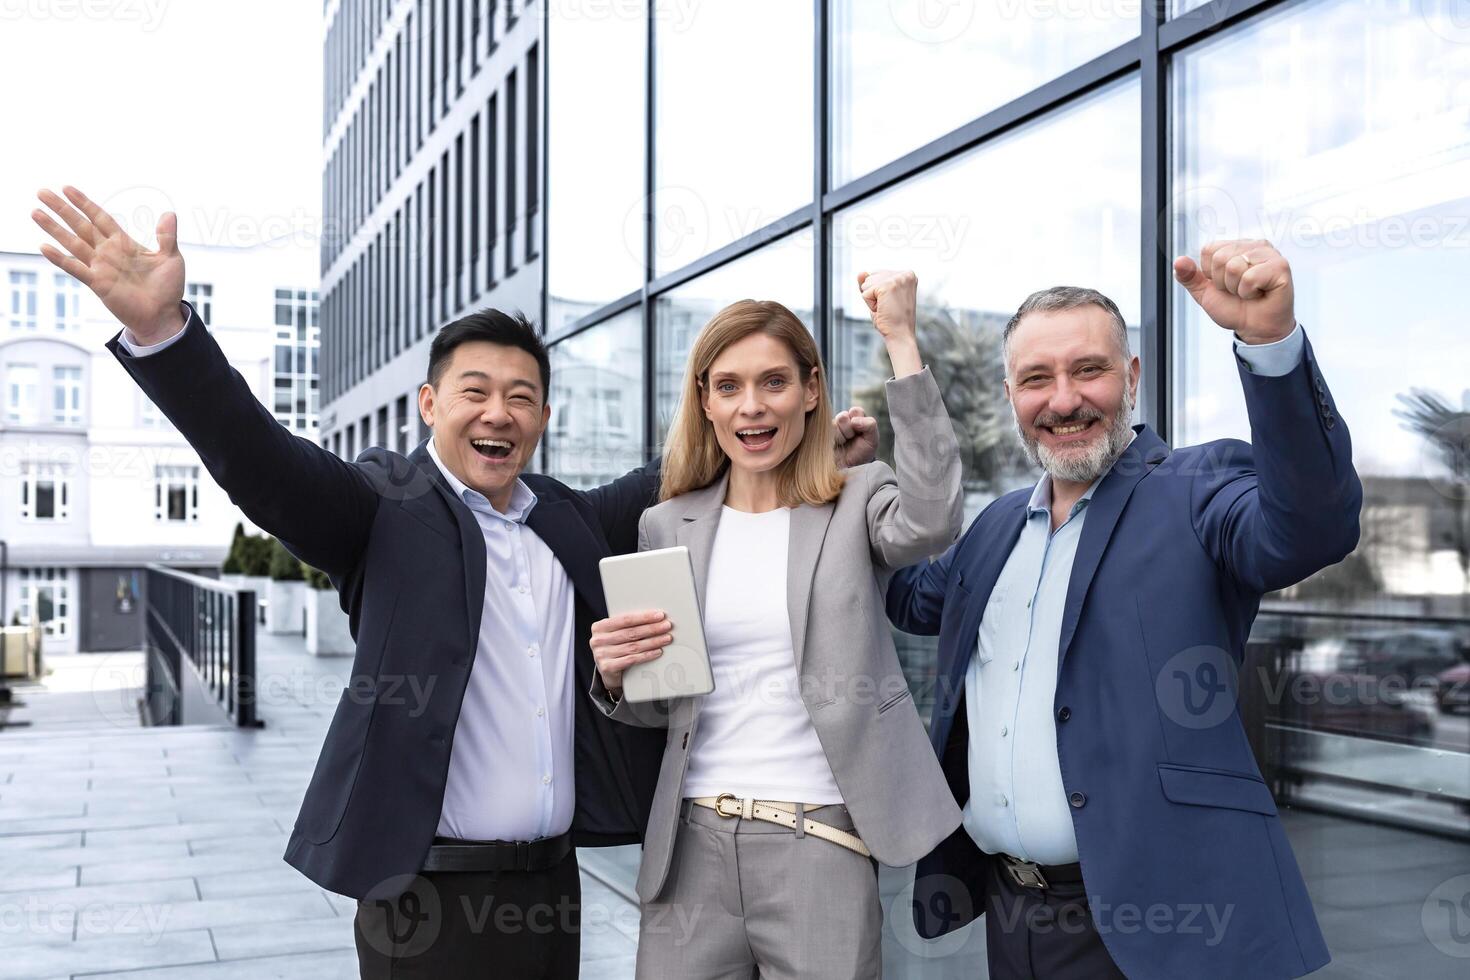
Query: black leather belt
[1029,874]
[451,854]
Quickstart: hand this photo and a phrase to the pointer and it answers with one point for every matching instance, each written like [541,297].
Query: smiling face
[488,412]
[757,401]
[1071,390]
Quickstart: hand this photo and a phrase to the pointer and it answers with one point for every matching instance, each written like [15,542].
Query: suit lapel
[696,531]
[1103,511]
[472,540]
[804,546]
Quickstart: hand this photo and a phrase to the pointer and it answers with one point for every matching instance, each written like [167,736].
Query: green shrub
[316,578]
[284,566]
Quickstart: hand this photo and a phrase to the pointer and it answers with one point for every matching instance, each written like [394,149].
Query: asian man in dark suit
[1115,822]
[466,580]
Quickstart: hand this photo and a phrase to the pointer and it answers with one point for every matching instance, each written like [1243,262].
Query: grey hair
[1058,298]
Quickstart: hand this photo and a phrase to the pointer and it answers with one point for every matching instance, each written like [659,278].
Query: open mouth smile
[756,438]
[493,450]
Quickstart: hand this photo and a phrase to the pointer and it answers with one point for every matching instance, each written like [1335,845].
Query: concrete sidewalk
[156,852]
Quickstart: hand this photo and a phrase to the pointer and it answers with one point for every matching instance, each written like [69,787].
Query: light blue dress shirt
[1018,805]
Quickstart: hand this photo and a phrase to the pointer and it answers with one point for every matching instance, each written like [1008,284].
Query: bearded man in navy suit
[1090,628]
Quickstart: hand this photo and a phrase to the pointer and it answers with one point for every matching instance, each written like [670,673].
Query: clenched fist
[892,299]
[1244,286]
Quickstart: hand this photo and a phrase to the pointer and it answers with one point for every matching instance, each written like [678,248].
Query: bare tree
[1446,431]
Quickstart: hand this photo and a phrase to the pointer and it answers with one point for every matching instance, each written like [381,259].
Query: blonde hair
[693,458]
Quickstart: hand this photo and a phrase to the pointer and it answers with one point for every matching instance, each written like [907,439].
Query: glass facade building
[688,155]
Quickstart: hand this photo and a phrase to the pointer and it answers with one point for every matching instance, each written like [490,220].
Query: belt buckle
[1027,874]
[720,804]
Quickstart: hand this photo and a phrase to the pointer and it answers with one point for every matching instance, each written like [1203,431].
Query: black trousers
[1046,934]
[474,924]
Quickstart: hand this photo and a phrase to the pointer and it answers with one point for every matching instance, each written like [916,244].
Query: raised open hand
[141,288]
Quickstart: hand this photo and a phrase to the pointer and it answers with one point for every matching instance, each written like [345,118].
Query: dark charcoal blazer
[408,560]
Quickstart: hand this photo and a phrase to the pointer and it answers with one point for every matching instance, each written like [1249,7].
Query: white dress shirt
[755,736]
[511,769]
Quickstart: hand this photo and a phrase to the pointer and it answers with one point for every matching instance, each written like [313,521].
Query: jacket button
[1064,713]
[1077,799]
[1321,385]
[1329,420]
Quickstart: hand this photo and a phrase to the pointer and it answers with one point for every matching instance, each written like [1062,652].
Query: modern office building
[430,196]
[695,154]
[97,483]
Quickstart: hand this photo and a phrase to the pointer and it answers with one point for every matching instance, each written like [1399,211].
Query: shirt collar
[1040,502]
[522,497]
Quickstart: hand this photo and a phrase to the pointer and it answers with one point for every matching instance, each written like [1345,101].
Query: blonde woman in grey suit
[808,763]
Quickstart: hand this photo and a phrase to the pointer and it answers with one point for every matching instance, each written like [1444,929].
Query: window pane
[176,502]
[733,156]
[983,232]
[596,434]
[780,271]
[1360,174]
[908,71]
[594,223]
[45,501]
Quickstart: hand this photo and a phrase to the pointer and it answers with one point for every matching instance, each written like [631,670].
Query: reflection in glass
[594,157]
[780,271]
[596,430]
[908,71]
[734,122]
[1055,203]
[1360,174]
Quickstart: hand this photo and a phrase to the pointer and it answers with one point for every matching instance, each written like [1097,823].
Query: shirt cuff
[1274,359]
[136,349]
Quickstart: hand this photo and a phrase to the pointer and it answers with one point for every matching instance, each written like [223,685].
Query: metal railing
[1344,712]
[210,627]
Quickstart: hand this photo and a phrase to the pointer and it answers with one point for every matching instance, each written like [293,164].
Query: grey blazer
[839,560]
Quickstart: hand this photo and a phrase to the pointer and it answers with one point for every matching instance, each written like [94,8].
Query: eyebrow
[1082,361]
[779,369]
[482,376]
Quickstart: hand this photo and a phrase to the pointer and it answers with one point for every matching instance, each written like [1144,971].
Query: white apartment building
[96,482]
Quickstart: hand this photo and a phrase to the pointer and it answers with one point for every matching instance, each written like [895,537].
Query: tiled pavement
[156,853]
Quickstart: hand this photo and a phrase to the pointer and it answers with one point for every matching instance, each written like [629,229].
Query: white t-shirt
[754,737]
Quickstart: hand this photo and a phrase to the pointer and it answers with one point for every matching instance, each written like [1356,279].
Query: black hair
[493,326]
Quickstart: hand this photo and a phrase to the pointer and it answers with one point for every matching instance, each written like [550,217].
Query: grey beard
[1090,465]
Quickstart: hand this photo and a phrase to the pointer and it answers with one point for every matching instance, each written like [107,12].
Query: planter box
[327,632]
[285,610]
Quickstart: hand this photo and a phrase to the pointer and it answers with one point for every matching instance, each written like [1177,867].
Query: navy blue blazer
[408,560]
[1187,869]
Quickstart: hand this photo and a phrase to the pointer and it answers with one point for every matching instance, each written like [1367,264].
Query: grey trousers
[747,899]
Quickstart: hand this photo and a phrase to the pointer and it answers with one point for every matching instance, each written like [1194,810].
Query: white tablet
[662,579]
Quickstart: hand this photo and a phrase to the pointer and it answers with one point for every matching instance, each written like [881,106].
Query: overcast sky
[210,109]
